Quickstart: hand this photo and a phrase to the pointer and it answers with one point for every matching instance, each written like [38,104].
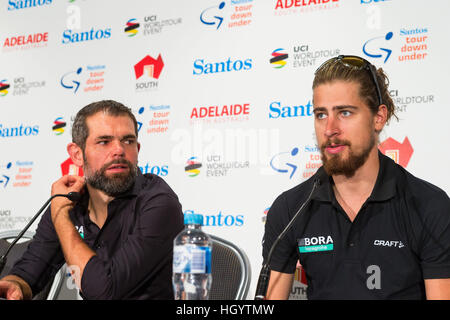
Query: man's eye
[102,142]
[320,116]
[346,113]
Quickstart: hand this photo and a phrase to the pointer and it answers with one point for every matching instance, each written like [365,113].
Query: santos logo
[22,4]
[19,131]
[221,220]
[158,170]
[71,37]
[202,67]
[277,111]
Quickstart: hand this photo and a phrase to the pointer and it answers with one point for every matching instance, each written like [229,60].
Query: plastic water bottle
[192,261]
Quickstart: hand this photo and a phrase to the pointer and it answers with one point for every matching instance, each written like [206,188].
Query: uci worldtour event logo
[8,219]
[152,24]
[306,56]
[286,7]
[202,67]
[23,4]
[25,42]
[131,28]
[59,126]
[297,162]
[401,153]
[227,14]
[4,86]
[411,45]
[21,86]
[220,219]
[302,56]
[193,167]
[148,68]
[403,102]
[220,114]
[159,119]
[18,174]
[279,57]
[84,79]
[70,36]
[215,167]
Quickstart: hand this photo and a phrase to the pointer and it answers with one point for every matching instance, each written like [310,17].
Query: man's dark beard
[114,185]
[334,165]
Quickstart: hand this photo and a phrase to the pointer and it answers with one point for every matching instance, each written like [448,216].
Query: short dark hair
[80,130]
[333,70]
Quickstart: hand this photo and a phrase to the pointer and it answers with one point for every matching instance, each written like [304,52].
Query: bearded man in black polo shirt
[371,230]
[128,220]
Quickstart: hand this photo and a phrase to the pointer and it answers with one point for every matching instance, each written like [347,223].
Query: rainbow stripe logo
[278,59]
[193,167]
[132,27]
[4,88]
[59,126]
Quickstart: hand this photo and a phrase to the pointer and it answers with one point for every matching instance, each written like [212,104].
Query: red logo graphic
[300,274]
[68,167]
[399,152]
[150,66]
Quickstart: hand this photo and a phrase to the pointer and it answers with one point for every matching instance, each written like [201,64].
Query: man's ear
[76,154]
[380,118]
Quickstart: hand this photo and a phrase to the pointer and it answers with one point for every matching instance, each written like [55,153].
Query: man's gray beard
[116,184]
[334,165]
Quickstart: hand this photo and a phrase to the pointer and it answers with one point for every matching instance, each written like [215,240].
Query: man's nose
[332,127]
[118,148]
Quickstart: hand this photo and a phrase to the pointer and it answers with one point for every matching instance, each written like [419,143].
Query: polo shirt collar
[384,189]
[83,204]
[137,186]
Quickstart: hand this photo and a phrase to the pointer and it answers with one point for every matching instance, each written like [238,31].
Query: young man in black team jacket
[372,230]
[118,238]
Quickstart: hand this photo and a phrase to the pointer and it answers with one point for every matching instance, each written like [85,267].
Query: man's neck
[352,192]
[98,205]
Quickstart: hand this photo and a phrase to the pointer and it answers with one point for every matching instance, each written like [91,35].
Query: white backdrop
[58,56]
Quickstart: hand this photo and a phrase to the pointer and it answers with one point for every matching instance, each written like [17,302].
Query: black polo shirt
[133,249]
[400,237]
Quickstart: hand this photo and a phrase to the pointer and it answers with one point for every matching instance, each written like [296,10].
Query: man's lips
[118,167]
[335,148]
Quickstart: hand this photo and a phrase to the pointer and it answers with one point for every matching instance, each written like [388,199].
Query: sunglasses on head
[361,63]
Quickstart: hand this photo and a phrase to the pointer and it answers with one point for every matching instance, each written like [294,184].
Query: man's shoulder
[300,192]
[422,192]
[151,186]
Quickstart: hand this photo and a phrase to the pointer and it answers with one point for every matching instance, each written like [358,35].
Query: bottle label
[191,259]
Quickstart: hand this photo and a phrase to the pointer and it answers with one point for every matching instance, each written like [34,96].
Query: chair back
[6,237]
[230,271]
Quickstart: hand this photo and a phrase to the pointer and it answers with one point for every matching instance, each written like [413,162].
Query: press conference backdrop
[221,91]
